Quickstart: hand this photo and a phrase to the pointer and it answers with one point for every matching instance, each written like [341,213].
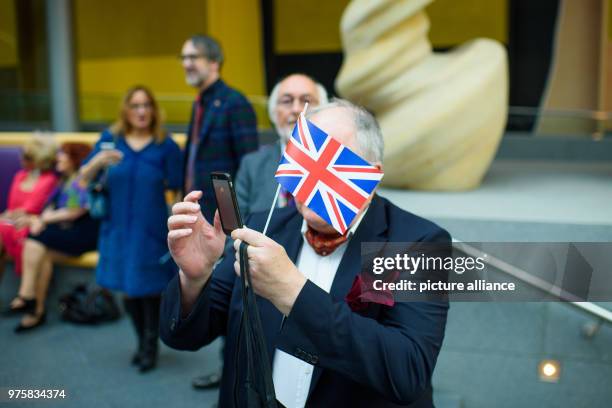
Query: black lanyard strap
[259,385]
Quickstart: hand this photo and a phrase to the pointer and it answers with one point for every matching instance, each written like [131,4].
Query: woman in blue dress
[138,163]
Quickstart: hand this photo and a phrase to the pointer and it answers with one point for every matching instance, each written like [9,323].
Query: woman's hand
[23,221]
[107,158]
[37,225]
[13,215]
[100,161]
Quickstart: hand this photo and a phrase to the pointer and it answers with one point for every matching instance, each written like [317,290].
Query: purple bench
[10,163]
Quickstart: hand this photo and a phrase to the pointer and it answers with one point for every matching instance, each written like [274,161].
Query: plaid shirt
[228,131]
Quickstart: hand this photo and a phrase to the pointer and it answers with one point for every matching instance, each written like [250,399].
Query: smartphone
[226,201]
[107,145]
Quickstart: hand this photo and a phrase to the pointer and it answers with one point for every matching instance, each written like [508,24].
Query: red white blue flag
[325,175]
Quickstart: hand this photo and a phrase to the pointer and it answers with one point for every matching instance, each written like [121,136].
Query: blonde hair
[40,151]
[122,125]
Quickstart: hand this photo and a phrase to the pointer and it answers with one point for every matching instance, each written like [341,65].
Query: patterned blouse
[70,194]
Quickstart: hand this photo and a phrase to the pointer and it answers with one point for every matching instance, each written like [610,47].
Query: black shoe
[29,305]
[42,319]
[150,334]
[205,382]
[147,358]
[134,309]
[136,358]
[147,362]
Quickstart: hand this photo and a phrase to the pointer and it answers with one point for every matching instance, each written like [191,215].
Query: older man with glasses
[255,183]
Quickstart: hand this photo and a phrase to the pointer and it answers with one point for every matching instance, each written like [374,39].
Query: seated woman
[63,229]
[144,164]
[29,191]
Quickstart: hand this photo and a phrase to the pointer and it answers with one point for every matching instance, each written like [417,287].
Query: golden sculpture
[442,114]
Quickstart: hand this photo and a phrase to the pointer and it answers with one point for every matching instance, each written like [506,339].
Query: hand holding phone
[107,146]
[108,155]
[195,246]
[226,201]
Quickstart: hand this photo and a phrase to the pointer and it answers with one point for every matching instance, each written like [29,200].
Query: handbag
[97,196]
[88,304]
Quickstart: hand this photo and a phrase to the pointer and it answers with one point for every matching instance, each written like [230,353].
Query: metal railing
[602,314]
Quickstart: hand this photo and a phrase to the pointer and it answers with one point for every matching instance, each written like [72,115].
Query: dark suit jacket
[384,359]
[228,131]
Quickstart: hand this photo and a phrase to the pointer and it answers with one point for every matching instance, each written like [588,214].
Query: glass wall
[24,87]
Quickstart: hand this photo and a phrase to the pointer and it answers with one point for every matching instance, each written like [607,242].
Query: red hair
[76,152]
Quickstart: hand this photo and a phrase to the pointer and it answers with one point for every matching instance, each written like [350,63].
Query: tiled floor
[93,363]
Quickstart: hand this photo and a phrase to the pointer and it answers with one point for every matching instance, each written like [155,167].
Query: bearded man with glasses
[223,126]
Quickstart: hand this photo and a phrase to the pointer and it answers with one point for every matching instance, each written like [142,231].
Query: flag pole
[265,230]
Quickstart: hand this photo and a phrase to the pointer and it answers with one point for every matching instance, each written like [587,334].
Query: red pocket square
[362,293]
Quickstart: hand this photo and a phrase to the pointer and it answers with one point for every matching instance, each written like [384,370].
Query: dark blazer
[385,359]
[228,131]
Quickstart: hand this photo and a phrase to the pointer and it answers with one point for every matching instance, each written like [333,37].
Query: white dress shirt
[291,375]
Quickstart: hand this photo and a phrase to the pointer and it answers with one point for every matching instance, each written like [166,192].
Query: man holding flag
[323,351]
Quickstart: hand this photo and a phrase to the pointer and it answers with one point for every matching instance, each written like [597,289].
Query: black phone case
[226,177]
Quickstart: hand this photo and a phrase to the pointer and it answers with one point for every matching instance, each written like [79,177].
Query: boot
[148,357]
[135,309]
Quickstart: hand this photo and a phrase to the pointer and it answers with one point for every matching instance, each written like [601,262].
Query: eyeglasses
[288,101]
[190,57]
[136,106]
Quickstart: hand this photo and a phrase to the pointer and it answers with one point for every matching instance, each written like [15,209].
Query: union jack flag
[325,175]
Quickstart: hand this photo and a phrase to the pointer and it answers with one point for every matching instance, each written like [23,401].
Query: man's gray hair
[273,99]
[209,47]
[368,133]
